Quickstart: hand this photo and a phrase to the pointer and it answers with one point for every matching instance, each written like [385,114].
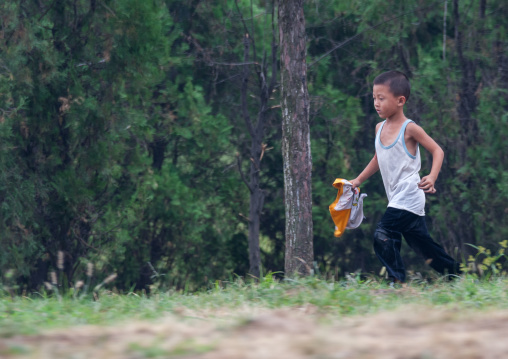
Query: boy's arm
[371,168]
[421,137]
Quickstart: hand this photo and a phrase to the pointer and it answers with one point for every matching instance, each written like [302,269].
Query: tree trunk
[256,130]
[256,205]
[295,139]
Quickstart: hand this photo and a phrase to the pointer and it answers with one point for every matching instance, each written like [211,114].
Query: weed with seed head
[484,263]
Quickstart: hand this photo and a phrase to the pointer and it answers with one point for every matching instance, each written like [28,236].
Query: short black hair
[397,82]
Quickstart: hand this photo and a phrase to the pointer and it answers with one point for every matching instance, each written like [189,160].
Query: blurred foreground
[299,318]
[303,332]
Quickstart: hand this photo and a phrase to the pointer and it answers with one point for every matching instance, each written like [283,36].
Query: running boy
[397,156]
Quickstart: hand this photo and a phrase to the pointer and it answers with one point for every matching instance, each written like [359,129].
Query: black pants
[387,242]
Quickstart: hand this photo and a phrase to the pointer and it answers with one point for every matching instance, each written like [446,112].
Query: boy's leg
[418,238]
[387,242]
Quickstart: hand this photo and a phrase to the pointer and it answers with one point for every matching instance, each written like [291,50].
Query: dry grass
[408,332]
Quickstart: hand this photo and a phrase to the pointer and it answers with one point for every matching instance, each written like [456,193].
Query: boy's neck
[397,117]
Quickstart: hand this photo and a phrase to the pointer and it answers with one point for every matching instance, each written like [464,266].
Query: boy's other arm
[369,170]
[421,137]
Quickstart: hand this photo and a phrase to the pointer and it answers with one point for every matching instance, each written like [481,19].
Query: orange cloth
[340,209]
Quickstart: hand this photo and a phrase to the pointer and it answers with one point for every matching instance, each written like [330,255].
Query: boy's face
[385,102]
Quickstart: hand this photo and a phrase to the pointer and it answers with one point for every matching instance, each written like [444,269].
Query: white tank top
[399,170]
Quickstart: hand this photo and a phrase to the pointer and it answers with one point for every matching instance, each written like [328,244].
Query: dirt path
[408,333]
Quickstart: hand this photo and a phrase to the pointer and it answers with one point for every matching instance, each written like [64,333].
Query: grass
[31,315]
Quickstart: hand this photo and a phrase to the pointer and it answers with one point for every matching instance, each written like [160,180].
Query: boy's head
[397,82]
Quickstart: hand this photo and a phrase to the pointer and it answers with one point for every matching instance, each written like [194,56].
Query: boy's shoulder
[416,133]
[414,129]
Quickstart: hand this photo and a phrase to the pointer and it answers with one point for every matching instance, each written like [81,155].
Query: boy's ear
[401,101]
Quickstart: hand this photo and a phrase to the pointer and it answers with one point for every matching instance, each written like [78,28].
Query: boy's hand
[355,183]
[427,184]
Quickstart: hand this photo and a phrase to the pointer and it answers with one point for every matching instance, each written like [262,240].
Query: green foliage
[110,152]
[485,263]
[120,130]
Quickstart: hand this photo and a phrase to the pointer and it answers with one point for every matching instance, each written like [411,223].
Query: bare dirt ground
[407,333]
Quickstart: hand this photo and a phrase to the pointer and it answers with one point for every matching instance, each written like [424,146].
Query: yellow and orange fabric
[347,209]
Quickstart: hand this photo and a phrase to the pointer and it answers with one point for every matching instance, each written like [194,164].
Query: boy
[397,156]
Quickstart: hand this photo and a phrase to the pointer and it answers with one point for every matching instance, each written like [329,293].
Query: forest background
[126,132]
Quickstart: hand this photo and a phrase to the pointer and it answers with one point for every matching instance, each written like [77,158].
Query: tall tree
[256,129]
[243,56]
[296,138]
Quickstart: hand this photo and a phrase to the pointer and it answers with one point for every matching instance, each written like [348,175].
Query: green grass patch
[30,315]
